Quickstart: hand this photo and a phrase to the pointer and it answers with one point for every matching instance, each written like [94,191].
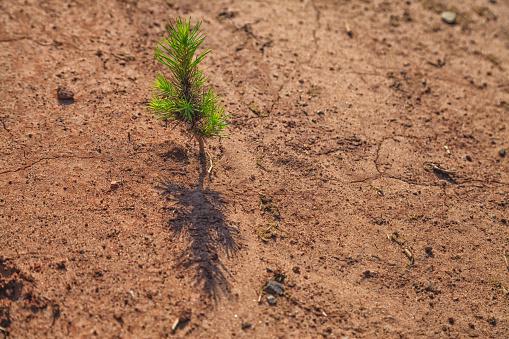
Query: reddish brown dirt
[335,157]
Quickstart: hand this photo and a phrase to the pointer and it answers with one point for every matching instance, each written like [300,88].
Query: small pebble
[65,96]
[246,326]
[429,251]
[368,274]
[502,152]
[449,17]
[271,300]
[64,93]
[114,184]
[274,287]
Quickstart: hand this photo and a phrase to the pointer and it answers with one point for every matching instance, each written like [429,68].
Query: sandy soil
[363,169]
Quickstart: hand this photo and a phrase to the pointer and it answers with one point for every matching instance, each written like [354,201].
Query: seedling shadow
[200,219]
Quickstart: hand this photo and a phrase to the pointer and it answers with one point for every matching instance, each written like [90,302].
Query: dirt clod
[269,207]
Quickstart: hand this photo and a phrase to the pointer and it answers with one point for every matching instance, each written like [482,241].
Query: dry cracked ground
[363,177]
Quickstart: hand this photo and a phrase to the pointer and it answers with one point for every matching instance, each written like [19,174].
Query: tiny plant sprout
[184,95]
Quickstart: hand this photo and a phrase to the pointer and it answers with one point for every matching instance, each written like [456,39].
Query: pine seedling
[184,95]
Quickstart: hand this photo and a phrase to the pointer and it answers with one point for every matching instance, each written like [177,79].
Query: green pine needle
[183,94]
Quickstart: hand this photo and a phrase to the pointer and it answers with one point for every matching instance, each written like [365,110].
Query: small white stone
[449,17]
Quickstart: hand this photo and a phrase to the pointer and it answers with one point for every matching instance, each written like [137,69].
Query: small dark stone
[271,300]
[64,93]
[65,96]
[492,321]
[246,326]
[368,274]
[468,158]
[114,184]
[185,316]
[274,287]
[502,152]
[429,251]
[183,319]
[5,318]
[296,269]
[451,321]
[119,319]
[226,14]
[280,277]
[55,313]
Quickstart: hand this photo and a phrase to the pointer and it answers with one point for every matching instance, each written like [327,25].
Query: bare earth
[363,170]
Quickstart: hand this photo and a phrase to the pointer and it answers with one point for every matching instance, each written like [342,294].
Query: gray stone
[271,300]
[274,287]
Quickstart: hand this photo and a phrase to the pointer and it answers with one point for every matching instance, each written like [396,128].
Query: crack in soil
[278,97]
[382,174]
[5,126]
[24,37]
[64,156]
[318,26]
[489,182]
